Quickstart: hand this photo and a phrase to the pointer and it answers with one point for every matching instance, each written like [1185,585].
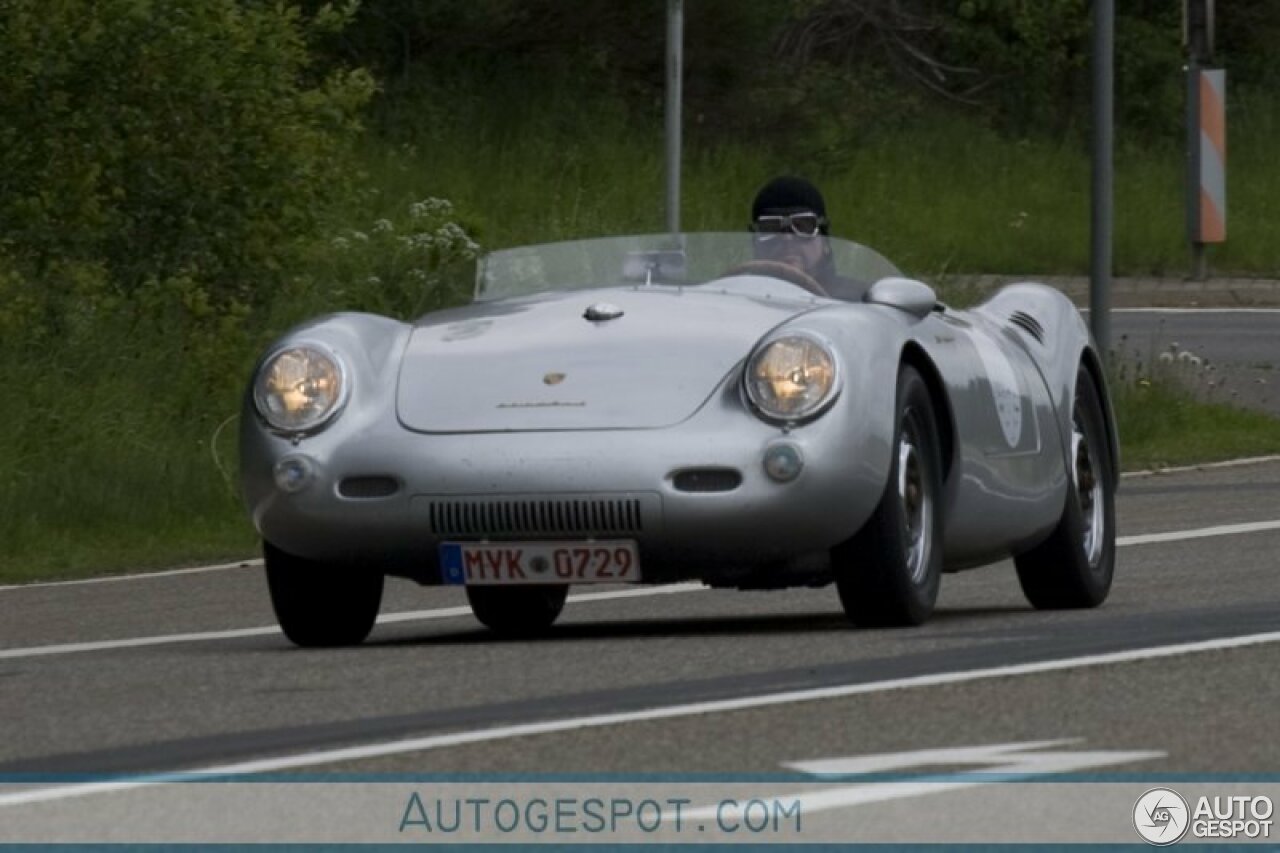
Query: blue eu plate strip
[451,571]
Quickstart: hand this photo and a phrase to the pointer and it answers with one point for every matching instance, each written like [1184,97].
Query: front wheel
[888,573]
[1073,568]
[321,604]
[517,611]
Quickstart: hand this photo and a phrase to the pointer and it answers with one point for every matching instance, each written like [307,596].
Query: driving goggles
[805,224]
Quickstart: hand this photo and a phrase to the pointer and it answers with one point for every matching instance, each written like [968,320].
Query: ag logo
[1161,816]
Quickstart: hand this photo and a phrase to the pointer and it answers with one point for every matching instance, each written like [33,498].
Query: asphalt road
[197,699]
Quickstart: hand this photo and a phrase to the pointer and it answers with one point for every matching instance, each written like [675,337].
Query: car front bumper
[381,495]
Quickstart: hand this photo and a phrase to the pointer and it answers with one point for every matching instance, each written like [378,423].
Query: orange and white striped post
[1207,211]
[1206,134]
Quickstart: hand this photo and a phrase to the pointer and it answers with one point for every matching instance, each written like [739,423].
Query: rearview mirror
[659,265]
[905,294]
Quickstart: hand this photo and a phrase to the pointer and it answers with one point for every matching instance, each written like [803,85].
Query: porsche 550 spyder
[649,409]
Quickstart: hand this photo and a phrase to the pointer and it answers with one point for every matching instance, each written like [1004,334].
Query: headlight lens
[299,388]
[792,377]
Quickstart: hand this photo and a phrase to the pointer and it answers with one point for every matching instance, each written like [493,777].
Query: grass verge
[1163,426]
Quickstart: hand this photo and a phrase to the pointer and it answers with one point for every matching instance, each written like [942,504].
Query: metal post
[1102,214]
[1194,13]
[675,61]
[1199,258]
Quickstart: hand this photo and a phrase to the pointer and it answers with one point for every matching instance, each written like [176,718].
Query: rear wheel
[322,604]
[517,611]
[888,573]
[1073,568]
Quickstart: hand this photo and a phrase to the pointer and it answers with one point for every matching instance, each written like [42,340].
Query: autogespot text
[480,816]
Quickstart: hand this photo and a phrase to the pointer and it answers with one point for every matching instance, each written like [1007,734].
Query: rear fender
[1061,346]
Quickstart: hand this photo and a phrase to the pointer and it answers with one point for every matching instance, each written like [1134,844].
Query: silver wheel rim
[916,502]
[1089,493]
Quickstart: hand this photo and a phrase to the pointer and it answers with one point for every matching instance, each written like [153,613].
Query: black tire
[888,573]
[517,611]
[322,604]
[1073,568]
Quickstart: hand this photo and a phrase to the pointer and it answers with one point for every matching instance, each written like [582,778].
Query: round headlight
[299,388]
[791,378]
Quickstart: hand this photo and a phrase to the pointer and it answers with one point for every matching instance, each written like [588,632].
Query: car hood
[539,364]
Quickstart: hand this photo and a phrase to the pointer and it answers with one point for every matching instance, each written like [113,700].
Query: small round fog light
[293,474]
[783,462]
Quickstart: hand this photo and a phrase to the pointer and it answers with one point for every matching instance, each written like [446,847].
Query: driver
[789,223]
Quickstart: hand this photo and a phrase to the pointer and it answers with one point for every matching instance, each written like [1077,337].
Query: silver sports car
[648,409]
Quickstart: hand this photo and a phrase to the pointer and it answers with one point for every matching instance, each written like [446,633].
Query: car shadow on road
[781,624]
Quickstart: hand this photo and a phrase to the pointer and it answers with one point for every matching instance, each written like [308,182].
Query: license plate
[492,563]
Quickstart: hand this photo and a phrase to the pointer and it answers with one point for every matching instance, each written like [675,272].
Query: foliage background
[180,180]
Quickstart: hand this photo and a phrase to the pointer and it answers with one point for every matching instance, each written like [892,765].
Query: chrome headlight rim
[814,410]
[323,420]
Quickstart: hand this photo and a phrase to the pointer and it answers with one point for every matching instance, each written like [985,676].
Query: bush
[183,138]
[167,166]
[403,264]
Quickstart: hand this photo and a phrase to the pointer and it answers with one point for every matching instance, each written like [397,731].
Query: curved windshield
[675,259]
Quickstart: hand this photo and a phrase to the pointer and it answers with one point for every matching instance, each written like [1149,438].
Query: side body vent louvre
[535,516]
[1028,324]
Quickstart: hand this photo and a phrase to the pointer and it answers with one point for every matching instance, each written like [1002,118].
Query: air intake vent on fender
[1028,324]
[368,487]
[707,480]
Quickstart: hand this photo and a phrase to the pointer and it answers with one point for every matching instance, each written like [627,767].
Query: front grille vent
[537,517]
[1028,324]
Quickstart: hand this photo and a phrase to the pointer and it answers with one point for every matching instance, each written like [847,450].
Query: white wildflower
[430,207]
[383,226]
[421,242]
[451,234]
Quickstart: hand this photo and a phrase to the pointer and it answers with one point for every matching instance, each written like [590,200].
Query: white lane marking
[384,619]
[1007,760]
[1190,310]
[1204,466]
[668,712]
[139,576]
[1202,533]
[464,610]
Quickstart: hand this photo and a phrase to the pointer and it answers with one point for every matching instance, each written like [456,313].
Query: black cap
[789,194]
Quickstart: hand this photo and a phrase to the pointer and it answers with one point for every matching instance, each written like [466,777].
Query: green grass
[1161,426]
[945,194]
[105,444]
